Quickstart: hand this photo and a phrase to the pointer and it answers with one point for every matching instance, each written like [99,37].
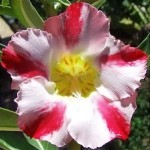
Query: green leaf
[17,141]
[145,44]
[8,120]
[41,145]
[0,56]
[98,3]
[65,2]
[140,13]
[5,3]
[26,13]
[1,46]
[14,141]
[6,11]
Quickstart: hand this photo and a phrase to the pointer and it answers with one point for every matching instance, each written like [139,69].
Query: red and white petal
[97,121]
[86,126]
[41,115]
[27,55]
[118,114]
[81,26]
[122,67]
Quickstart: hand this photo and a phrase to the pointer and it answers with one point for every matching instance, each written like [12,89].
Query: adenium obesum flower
[75,80]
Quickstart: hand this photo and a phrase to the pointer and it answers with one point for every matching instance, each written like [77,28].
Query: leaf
[26,13]
[2,46]
[5,8]
[98,3]
[41,145]
[14,141]
[0,56]
[8,120]
[17,141]
[145,44]
[6,11]
[140,13]
[5,3]
[65,2]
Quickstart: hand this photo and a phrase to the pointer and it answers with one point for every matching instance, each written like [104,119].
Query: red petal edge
[23,65]
[128,55]
[46,122]
[116,122]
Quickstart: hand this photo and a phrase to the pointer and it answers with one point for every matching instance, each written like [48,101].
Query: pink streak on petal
[46,123]
[132,54]
[21,64]
[81,28]
[115,120]
[67,25]
[124,64]
[72,24]
[127,56]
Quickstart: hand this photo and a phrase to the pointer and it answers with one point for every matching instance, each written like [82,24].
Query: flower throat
[74,75]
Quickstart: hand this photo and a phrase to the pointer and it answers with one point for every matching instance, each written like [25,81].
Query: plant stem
[9,129]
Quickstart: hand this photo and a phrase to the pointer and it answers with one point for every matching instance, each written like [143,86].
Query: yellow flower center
[74,75]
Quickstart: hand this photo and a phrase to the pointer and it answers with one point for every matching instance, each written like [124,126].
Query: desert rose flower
[75,80]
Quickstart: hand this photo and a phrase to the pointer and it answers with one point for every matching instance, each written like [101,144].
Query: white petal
[33,43]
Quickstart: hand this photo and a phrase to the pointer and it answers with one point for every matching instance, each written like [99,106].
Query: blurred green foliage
[128,18]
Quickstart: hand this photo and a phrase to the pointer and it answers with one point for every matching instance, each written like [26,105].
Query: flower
[75,80]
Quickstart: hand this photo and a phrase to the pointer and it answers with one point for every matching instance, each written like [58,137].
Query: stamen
[74,74]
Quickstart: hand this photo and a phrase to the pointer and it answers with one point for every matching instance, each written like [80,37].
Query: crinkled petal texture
[97,120]
[122,67]
[27,55]
[82,28]
[31,52]
[91,121]
[41,115]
